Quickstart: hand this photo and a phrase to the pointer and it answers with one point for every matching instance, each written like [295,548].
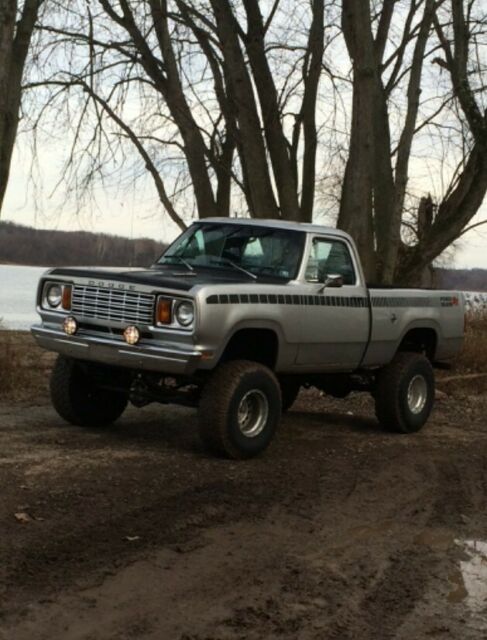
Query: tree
[376,176]
[240,105]
[467,190]
[16,29]
[205,78]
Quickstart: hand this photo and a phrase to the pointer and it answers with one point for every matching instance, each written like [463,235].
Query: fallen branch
[466,376]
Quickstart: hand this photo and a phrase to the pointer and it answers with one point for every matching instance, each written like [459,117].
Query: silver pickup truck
[234,318]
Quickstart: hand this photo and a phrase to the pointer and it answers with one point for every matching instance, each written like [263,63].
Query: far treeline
[461,279]
[37,247]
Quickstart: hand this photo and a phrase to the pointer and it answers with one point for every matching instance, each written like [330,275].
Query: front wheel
[404,393]
[240,408]
[78,399]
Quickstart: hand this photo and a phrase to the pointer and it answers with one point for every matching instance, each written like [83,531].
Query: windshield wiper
[182,260]
[235,266]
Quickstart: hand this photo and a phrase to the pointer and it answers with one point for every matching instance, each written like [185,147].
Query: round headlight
[54,295]
[185,313]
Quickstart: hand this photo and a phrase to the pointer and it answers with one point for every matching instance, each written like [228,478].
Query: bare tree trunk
[386,226]
[312,75]
[276,141]
[260,193]
[356,206]
[223,171]
[14,45]
[221,162]
[392,240]
[176,101]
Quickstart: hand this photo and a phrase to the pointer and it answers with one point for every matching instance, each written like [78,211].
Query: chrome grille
[115,305]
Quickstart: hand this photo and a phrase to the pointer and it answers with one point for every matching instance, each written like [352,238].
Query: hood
[163,277]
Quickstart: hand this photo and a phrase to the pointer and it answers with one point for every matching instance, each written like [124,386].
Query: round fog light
[131,335]
[70,326]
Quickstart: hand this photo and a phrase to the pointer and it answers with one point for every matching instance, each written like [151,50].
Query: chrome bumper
[170,359]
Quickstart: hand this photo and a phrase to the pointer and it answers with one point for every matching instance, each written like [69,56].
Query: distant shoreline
[21,264]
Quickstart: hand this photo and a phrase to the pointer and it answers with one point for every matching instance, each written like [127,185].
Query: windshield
[260,251]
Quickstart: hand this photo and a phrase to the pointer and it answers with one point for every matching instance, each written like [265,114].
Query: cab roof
[278,224]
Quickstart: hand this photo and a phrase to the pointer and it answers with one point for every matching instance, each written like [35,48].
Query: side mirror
[333,280]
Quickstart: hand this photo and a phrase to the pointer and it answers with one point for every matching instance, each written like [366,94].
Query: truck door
[335,322]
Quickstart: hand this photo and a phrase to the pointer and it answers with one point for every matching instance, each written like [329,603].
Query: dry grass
[466,379]
[11,372]
[474,356]
[24,368]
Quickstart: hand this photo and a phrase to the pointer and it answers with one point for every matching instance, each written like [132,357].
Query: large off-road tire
[404,393]
[289,391]
[77,398]
[240,408]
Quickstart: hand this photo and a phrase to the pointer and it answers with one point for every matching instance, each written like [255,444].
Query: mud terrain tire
[240,408]
[77,398]
[404,393]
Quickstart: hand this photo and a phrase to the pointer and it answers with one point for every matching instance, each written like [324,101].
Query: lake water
[18,286]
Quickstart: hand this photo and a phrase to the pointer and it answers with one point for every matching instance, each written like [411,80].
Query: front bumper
[169,359]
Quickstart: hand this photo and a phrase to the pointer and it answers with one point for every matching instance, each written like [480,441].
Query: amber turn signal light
[66,298]
[164,311]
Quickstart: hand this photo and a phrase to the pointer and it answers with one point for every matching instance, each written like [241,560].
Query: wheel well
[258,345]
[420,341]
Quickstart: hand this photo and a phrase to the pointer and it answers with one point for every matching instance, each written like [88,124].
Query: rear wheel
[240,408]
[404,393]
[78,399]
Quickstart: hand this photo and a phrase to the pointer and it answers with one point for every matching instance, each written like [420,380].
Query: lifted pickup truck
[235,317]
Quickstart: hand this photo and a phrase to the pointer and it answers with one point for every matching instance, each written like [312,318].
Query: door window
[329,257]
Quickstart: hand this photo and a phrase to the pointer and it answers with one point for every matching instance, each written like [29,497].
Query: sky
[137,212]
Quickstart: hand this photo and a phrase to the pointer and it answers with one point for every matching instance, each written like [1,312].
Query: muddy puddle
[470,580]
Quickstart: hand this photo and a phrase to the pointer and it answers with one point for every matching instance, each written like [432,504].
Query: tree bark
[259,194]
[221,160]
[284,176]
[312,75]
[176,101]
[356,205]
[390,242]
[14,45]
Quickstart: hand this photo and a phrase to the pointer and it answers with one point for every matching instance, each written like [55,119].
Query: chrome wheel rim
[417,394]
[252,413]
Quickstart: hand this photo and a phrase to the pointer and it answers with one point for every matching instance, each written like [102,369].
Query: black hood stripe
[162,277]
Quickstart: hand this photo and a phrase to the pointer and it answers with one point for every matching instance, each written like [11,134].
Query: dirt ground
[338,531]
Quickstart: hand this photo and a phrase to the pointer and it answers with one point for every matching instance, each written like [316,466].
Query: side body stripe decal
[301,300]
[331,301]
